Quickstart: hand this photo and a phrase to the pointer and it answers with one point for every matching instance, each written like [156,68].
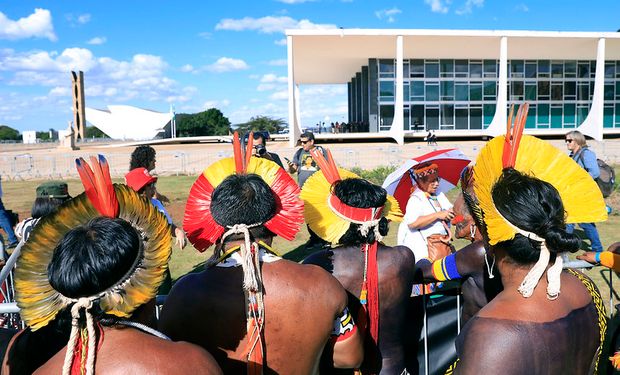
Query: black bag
[607,178]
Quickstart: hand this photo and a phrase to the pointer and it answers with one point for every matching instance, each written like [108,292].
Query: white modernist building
[404,83]
[128,123]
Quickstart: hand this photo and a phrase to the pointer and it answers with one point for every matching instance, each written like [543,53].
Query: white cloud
[522,7]
[42,61]
[187,68]
[205,35]
[244,113]
[216,104]
[98,40]
[388,14]
[272,78]
[227,64]
[268,24]
[59,91]
[279,95]
[142,76]
[36,25]
[468,7]
[320,101]
[278,62]
[280,42]
[439,6]
[184,96]
[83,18]
[265,87]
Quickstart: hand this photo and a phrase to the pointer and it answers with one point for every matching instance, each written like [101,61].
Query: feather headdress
[40,302]
[539,159]
[203,231]
[330,218]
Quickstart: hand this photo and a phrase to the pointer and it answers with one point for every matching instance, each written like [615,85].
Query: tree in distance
[7,133]
[209,122]
[262,123]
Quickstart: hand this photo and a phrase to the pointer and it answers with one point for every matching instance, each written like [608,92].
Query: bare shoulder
[193,357]
[310,279]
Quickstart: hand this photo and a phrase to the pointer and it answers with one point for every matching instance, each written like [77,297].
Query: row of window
[454,68]
[487,91]
[421,117]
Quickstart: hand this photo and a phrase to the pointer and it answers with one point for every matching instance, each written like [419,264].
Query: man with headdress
[527,191]
[252,309]
[85,282]
[353,214]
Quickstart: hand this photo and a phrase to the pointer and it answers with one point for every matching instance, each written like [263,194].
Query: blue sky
[225,54]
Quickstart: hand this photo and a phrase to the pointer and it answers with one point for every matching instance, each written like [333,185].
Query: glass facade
[453,94]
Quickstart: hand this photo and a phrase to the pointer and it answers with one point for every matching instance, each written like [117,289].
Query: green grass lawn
[19,195]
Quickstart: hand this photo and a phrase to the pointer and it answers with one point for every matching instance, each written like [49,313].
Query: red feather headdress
[202,229]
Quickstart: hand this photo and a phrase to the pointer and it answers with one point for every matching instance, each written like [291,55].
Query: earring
[472,231]
[490,269]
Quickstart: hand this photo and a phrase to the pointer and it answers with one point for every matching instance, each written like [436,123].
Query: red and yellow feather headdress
[202,229]
[325,213]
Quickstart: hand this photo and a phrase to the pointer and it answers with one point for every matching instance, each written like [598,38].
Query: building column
[294,128]
[498,125]
[396,130]
[593,124]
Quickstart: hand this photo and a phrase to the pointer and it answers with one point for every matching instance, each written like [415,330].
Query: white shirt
[419,205]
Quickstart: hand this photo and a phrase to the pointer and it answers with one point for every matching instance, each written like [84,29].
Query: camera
[261,150]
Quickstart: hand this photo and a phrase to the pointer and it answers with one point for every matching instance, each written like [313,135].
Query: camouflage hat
[53,189]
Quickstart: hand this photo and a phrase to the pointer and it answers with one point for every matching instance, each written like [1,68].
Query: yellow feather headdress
[40,302]
[582,200]
[320,215]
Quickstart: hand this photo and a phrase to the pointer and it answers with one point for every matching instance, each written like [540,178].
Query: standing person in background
[305,166]
[144,157]
[586,158]
[5,223]
[50,195]
[260,147]
[143,183]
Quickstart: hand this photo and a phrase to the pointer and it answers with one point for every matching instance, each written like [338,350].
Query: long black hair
[88,260]
[44,206]
[244,199]
[535,206]
[357,192]
[142,157]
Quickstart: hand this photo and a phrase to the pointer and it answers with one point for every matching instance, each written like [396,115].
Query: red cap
[139,178]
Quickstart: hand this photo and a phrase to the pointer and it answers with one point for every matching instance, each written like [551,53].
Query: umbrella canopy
[450,163]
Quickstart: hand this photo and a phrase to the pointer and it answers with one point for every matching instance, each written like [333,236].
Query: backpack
[606,178]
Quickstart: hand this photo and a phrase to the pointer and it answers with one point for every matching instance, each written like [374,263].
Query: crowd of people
[90,266]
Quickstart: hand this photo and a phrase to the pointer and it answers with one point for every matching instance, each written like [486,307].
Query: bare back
[396,270]
[129,351]
[514,335]
[301,303]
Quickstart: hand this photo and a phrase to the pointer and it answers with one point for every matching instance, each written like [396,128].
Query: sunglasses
[304,142]
[568,140]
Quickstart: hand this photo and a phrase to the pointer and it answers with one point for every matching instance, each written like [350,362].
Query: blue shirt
[160,208]
[587,160]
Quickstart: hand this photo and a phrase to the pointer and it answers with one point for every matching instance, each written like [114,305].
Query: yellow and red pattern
[203,231]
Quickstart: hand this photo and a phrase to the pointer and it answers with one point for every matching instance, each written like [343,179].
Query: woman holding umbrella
[425,226]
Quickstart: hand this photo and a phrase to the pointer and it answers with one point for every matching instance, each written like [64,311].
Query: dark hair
[244,199]
[88,260]
[44,206]
[142,157]
[93,257]
[534,206]
[357,192]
